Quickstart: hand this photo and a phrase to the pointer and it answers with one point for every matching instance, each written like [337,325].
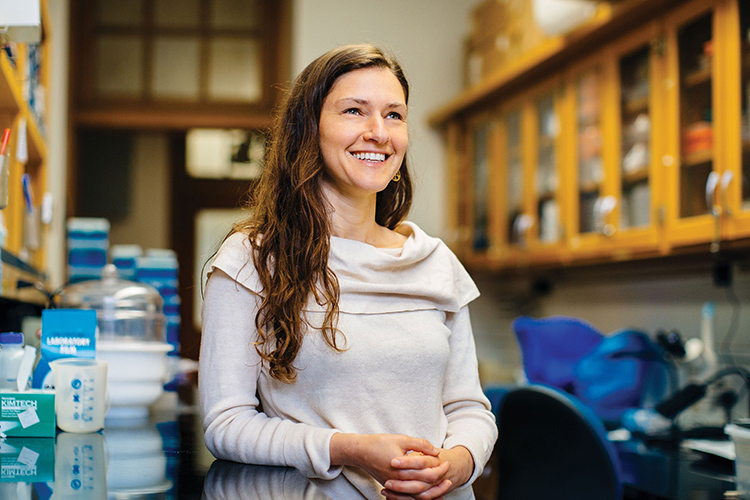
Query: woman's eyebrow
[365,102]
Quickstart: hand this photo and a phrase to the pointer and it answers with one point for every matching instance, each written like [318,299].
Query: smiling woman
[363,134]
[347,324]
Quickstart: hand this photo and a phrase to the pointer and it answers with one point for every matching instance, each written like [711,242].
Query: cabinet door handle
[726,180]
[521,225]
[607,206]
[711,184]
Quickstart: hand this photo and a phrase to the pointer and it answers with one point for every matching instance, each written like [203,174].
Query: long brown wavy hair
[289,225]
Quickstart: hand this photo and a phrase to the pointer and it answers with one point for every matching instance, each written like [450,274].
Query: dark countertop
[165,458]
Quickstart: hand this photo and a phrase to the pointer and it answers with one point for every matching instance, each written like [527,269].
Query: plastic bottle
[11,354]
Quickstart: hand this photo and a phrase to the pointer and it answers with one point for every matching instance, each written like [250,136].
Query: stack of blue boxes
[88,243]
[158,268]
[125,259]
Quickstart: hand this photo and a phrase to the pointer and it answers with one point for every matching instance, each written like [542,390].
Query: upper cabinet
[629,137]
[732,200]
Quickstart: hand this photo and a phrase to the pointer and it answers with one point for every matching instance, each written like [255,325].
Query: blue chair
[551,446]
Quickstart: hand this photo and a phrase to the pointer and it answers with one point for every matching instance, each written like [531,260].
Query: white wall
[427,38]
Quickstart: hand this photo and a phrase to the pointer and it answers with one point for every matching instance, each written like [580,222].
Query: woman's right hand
[374,454]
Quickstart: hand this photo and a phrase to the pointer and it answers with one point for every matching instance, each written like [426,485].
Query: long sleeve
[470,421]
[229,371]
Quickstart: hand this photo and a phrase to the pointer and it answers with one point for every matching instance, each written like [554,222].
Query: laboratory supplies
[27,414]
[137,374]
[80,467]
[125,310]
[23,380]
[125,259]
[131,338]
[66,333]
[11,355]
[88,243]
[740,433]
[80,391]
[135,446]
[26,461]
[31,216]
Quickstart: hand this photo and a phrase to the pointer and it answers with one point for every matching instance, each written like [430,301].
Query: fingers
[418,491]
[422,446]
[417,480]
[423,468]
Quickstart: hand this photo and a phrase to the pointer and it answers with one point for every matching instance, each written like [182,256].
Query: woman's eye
[395,115]
[353,111]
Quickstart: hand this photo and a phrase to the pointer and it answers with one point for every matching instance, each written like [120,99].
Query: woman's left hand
[408,483]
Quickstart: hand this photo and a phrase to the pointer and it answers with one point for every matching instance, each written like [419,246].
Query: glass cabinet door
[695,45]
[691,160]
[590,162]
[635,139]
[734,185]
[744,35]
[480,136]
[516,220]
[548,229]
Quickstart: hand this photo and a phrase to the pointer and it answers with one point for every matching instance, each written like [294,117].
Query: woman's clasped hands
[407,467]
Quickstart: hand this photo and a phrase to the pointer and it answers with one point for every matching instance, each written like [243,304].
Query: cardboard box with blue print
[27,414]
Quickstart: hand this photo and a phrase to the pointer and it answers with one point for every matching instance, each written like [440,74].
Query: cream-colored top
[409,366]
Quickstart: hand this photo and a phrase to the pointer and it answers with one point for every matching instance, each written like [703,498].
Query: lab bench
[165,458]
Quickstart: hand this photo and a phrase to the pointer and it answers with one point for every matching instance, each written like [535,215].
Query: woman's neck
[353,218]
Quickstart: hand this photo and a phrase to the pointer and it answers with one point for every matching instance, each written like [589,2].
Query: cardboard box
[27,460]
[27,414]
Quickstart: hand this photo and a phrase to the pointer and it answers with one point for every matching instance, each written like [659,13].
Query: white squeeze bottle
[11,354]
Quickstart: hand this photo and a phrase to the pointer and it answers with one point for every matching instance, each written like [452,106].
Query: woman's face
[363,134]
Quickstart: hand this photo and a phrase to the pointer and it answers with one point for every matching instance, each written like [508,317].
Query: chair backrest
[553,447]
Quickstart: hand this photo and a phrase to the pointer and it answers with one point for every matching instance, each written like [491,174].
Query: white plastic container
[80,394]
[11,354]
[137,373]
[740,434]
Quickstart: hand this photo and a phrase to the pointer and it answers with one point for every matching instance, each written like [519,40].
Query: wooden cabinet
[24,79]
[693,160]
[631,140]
[732,199]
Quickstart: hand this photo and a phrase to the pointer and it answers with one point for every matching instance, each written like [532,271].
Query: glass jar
[125,310]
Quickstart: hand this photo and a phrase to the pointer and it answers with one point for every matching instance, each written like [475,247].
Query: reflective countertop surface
[163,457]
[160,458]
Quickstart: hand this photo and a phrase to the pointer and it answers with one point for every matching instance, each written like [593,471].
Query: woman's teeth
[369,156]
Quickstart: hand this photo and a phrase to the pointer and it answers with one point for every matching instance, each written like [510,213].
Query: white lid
[88,224]
[125,251]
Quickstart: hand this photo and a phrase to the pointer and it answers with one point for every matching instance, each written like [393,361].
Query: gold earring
[396,177]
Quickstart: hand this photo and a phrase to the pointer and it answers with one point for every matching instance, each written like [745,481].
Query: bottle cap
[11,338]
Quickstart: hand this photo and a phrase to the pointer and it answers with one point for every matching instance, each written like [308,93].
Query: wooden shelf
[546,196]
[10,92]
[635,106]
[179,120]
[546,142]
[635,176]
[697,78]
[19,280]
[698,158]
[589,187]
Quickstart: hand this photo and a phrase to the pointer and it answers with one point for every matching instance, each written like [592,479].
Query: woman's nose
[376,130]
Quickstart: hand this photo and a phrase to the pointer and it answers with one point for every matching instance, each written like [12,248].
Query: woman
[336,336]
